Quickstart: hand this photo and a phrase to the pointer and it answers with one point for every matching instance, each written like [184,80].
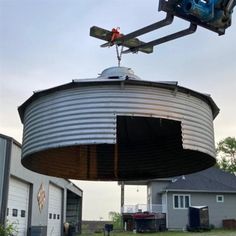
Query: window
[187,202]
[219,198]
[54,216]
[14,212]
[22,213]
[176,201]
[181,201]
[50,215]
[58,216]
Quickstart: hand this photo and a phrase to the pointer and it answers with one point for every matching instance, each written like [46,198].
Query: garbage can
[198,218]
[72,230]
[37,231]
[108,228]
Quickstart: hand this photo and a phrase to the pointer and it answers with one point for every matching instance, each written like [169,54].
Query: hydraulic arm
[214,15]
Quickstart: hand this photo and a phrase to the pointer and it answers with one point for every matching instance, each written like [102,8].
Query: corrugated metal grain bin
[118,127]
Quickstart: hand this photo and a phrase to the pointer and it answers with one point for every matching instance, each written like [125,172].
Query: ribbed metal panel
[87,115]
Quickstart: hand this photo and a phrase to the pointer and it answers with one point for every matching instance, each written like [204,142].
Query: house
[36,204]
[173,196]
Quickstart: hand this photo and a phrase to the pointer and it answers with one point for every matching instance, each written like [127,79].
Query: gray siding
[178,218]
[156,190]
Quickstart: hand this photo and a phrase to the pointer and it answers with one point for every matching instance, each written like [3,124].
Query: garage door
[54,211]
[18,205]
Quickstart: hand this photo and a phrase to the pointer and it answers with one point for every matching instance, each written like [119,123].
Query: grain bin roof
[114,75]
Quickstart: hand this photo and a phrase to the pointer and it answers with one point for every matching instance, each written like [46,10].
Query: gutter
[200,191]
[10,138]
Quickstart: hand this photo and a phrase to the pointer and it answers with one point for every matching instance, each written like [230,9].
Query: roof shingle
[212,180]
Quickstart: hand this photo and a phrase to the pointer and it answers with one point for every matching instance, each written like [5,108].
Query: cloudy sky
[46,43]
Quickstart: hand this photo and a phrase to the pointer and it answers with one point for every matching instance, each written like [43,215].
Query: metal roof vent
[118,73]
[118,128]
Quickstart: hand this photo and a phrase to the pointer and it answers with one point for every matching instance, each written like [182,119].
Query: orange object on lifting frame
[115,34]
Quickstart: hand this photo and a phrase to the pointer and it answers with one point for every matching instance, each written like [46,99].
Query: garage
[37,204]
[18,205]
[54,211]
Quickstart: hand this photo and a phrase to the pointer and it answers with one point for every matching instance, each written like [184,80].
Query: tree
[226,152]
[116,219]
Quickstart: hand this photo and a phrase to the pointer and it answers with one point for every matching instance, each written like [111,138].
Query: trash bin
[72,230]
[37,231]
[229,224]
[198,218]
[108,228]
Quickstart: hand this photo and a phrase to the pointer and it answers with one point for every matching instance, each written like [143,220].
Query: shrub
[8,230]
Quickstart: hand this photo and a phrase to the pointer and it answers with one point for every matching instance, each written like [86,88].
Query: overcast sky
[46,43]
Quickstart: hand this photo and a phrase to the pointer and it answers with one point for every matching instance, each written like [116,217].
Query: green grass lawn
[210,233]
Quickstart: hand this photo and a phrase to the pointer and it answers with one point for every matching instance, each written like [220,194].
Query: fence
[155,208]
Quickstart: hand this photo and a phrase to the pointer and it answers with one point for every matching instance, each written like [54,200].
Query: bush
[116,219]
[8,230]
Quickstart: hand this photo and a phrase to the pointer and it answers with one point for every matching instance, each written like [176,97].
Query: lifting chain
[119,54]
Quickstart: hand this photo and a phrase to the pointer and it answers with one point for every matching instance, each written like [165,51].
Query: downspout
[167,215]
[80,215]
